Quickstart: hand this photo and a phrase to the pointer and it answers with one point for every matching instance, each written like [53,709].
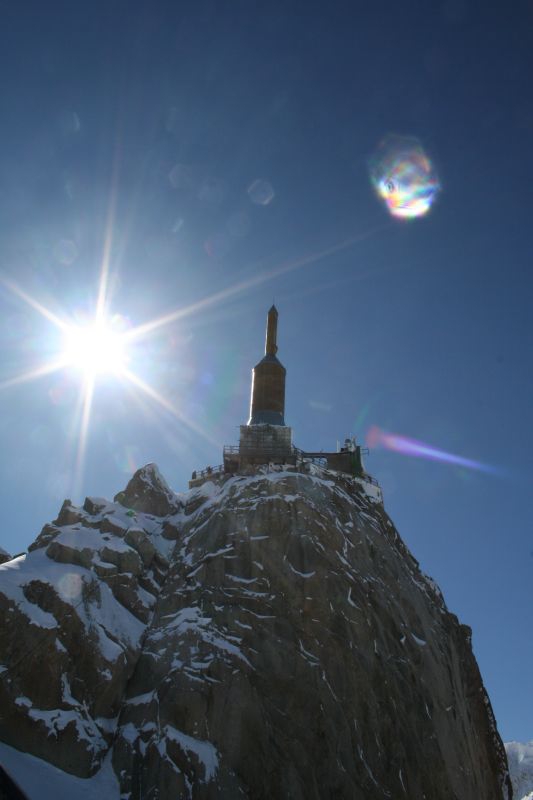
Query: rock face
[148,491]
[4,556]
[267,636]
[520,758]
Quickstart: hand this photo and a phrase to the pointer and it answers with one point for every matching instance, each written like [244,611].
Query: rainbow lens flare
[404,177]
[411,447]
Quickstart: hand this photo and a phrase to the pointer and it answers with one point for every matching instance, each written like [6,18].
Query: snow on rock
[74,611]
[266,635]
[520,758]
[149,491]
[39,779]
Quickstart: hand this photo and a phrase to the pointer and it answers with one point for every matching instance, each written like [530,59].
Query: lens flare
[70,586]
[404,177]
[261,192]
[411,447]
[100,343]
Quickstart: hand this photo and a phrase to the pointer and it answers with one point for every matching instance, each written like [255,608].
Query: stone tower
[267,405]
[265,439]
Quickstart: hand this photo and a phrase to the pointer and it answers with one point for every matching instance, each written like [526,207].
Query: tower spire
[271,348]
[267,405]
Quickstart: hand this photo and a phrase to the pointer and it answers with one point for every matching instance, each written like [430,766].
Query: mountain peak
[149,492]
[273,638]
[520,758]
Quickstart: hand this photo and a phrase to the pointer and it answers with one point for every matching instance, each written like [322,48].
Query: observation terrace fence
[202,475]
[233,453]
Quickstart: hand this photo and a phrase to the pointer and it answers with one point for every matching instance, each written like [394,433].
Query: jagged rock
[48,533]
[104,570]
[140,542]
[94,505]
[520,756]
[282,644]
[126,560]
[70,554]
[68,514]
[111,524]
[149,492]
[71,626]
[170,530]
[125,589]
[4,556]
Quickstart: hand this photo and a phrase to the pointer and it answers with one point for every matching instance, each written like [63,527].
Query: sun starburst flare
[101,347]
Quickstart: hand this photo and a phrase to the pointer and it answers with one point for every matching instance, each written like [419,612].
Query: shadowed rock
[274,639]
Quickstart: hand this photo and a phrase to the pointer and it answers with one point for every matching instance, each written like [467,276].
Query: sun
[95,349]
[99,345]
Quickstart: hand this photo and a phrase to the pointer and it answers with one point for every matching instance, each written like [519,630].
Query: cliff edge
[260,636]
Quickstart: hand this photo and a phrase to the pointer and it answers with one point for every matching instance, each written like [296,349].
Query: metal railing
[251,450]
[321,459]
[208,472]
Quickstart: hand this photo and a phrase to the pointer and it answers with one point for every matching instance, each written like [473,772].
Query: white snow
[205,752]
[363,759]
[520,759]
[88,538]
[141,699]
[313,660]
[351,602]
[129,732]
[243,625]
[118,629]
[372,492]
[301,574]
[192,619]
[42,781]
[12,579]
[151,476]
[57,719]
[102,613]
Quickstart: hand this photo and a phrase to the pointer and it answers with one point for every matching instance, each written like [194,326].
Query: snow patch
[301,574]
[39,780]
[520,760]
[205,752]
[351,602]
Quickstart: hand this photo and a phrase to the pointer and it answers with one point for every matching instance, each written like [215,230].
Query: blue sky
[144,125]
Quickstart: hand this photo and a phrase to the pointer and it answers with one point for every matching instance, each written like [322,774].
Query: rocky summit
[520,758]
[261,636]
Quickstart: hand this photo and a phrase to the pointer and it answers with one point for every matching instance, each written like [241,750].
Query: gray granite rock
[265,637]
[72,616]
[148,491]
